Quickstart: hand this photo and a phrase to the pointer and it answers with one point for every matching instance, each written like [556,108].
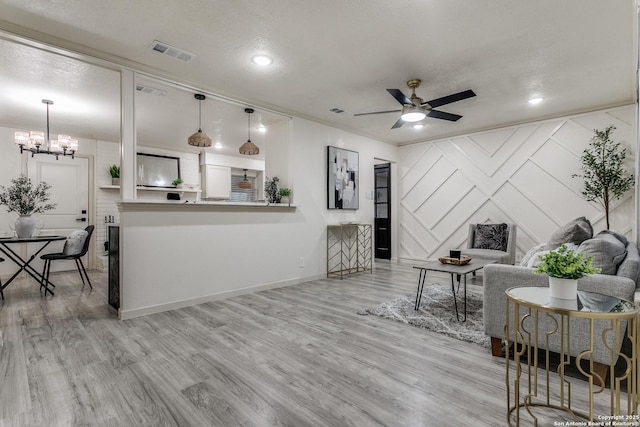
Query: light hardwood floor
[295,356]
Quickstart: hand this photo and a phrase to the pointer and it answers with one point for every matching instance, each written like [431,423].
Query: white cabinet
[216,182]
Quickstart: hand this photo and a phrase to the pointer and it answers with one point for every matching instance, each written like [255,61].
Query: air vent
[173,52]
[337,110]
[151,90]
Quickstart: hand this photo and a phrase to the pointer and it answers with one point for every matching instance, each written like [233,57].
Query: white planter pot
[563,288]
[25,226]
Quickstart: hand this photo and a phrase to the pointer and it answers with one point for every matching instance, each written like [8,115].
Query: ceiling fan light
[199,139]
[412,114]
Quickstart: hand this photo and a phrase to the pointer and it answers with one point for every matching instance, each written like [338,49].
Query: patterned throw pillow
[491,236]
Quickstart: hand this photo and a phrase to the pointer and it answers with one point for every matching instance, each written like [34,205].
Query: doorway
[69,180]
[382,205]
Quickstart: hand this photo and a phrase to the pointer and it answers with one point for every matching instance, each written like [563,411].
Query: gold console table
[537,321]
[348,249]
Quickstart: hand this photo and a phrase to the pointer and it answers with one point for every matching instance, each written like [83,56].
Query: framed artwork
[343,181]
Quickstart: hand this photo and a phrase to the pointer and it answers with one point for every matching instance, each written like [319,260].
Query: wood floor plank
[294,356]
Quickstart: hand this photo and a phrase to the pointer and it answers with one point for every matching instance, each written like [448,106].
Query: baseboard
[152,309]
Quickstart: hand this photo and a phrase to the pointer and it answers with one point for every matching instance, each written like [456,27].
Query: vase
[563,288]
[25,226]
[115,181]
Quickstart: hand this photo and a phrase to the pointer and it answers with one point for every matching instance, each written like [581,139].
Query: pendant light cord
[48,139]
[199,115]
[249,128]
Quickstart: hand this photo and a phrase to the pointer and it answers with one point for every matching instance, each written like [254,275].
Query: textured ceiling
[578,55]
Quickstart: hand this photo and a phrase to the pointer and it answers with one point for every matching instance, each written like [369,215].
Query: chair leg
[1,291]
[85,273]
[44,275]
[600,371]
[48,283]
[79,271]
[496,346]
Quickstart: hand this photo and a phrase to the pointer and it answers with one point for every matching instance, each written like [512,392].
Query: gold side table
[535,321]
[349,249]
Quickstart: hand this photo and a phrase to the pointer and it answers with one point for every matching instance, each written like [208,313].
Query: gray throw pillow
[491,236]
[607,251]
[576,231]
[616,235]
[75,242]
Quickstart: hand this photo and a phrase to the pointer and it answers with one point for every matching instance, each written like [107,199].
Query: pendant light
[199,139]
[245,183]
[249,148]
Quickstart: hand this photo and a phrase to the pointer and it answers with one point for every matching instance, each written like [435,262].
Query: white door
[69,180]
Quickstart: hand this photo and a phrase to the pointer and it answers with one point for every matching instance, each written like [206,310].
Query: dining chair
[1,293]
[70,252]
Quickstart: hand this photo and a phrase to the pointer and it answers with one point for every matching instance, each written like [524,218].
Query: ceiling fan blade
[450,98]
[378,112]
[398,124]
[400,97]
[444,116]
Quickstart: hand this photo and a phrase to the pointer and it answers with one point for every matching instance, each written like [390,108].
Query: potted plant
[177,182]
[271,190]
[26,199]
[285,195]
[114,171]
[603,171]
[564,267]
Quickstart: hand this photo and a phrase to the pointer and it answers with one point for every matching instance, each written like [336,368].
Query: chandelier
[36,142]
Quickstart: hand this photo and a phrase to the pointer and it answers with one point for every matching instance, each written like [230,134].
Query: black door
[382,203]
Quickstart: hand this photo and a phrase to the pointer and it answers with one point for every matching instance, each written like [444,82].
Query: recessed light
[218,146]
[418,126]
[262,128]
[534,101]
[262,60]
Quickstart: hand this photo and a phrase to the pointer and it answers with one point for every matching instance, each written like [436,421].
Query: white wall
[520,174]
[172,259]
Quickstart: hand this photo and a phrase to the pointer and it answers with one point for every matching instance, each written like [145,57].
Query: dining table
[23,264]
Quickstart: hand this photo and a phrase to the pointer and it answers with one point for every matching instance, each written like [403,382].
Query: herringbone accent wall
[520,174]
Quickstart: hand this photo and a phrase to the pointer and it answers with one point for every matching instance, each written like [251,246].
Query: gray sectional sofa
[612,252]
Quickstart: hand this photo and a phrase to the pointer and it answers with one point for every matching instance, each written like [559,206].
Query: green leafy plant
[603,171]
[114,171]
[566,263]
[25,198]
[177,181]
[271,190]
[284,192]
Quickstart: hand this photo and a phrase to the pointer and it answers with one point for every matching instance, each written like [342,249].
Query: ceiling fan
[414,109]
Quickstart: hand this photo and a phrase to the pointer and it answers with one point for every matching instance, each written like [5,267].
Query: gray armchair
[507,256]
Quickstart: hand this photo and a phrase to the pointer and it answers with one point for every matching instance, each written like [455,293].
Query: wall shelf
[166,190]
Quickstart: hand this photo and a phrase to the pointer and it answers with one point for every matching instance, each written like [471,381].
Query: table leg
[455,301]
[465,297]
[421,277]
[25,265]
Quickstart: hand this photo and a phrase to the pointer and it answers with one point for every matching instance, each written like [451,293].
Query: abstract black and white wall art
[342,174]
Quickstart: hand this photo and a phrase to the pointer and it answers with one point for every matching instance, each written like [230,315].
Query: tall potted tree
[603,170]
